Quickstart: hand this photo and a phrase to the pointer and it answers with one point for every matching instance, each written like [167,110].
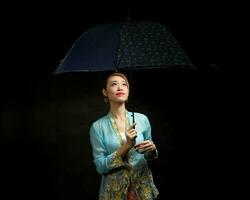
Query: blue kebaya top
[119,173]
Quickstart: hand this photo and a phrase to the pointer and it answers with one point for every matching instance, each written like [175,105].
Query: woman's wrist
[130,144]
[152,154]
[125,148]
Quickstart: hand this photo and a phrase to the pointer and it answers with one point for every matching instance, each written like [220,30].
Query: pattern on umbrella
[144,44]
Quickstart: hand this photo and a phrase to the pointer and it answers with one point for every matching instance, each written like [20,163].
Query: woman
[121,149]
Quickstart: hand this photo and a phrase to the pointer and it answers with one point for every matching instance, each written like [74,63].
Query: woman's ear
[104,92]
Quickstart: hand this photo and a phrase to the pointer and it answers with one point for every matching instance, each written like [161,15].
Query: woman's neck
[118,111]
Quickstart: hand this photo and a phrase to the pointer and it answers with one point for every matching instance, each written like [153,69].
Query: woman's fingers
[141,144]
[145,146]
[131,133]
[150,148]
[131,127]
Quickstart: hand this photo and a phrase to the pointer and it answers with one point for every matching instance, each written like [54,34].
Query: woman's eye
[113,84]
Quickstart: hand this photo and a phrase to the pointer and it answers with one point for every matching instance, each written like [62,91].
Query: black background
[45,119]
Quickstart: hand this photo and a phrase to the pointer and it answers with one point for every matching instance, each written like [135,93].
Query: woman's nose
[119,87]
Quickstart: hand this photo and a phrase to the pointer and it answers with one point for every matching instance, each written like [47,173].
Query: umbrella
[125,46]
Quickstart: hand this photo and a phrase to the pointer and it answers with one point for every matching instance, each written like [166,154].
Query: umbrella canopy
[125,45]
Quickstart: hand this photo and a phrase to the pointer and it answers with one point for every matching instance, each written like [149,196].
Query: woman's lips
[119,93]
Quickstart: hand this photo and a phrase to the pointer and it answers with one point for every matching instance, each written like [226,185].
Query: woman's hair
[115,74]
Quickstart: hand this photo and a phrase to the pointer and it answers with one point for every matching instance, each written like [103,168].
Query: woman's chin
[119,101]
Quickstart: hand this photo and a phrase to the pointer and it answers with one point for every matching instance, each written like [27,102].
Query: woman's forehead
[116,78]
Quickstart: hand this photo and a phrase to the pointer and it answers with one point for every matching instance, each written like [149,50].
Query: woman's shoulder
[98,124]
[138,115]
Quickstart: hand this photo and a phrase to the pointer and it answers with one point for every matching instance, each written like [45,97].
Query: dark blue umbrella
[125,46]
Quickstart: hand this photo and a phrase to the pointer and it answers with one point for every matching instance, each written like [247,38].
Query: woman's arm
[105,163]
[147,146]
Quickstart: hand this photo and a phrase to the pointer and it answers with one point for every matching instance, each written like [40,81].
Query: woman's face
[116,90]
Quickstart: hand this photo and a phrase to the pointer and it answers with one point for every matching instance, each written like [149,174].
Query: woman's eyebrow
[118,81]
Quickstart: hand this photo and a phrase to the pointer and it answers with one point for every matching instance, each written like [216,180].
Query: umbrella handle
[133,117]
[132,95]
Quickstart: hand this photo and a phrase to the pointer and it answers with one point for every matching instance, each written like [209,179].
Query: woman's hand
[145,146]
[131,134]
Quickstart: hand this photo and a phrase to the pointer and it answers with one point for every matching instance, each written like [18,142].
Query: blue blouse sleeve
[147,136]
[104,163]
[147,130]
